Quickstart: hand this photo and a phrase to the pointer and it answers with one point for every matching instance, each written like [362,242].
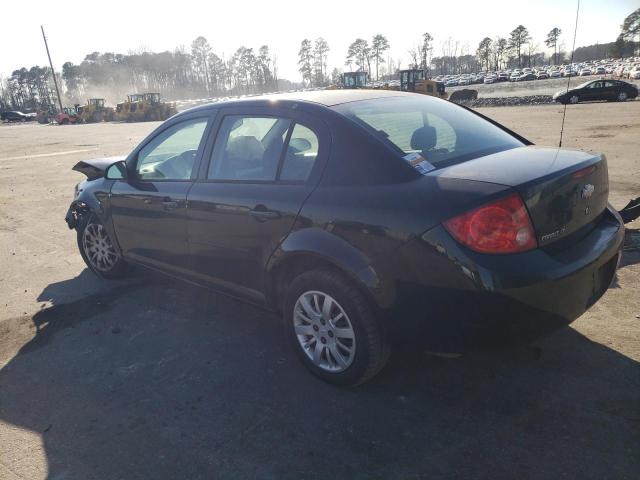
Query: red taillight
[502,226]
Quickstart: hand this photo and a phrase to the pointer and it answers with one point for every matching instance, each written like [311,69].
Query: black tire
[371,347]
[119,269]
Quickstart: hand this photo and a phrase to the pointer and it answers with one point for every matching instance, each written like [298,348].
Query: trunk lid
[565,191]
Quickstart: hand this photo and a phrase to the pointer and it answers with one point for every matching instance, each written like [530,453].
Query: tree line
[179,74]
[200,72]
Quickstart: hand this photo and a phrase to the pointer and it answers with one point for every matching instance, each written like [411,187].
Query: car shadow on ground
[154,379]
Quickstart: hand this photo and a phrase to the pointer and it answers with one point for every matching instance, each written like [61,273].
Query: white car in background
[554,74]
[490,78]
[585,71]
[634,73]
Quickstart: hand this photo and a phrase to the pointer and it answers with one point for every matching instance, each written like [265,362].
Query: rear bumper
[453,299]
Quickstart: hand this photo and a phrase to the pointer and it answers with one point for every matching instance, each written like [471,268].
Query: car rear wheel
[333,328]
[574,99]
[98,250]
[622,96]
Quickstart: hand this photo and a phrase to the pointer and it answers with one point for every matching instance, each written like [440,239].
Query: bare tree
[320,54]
[200,50]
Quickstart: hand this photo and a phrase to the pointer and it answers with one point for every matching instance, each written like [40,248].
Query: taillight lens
[499,227]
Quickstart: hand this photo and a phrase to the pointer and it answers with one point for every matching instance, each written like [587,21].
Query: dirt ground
[150,378]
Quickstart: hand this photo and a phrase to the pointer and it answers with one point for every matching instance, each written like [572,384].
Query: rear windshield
[443,133]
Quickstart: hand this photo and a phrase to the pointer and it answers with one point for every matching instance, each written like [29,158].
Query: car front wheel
[333,328]
[98,250]
[574,99]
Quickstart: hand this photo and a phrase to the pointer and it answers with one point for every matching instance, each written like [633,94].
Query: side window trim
[320,151]
[209,117]
[283,153]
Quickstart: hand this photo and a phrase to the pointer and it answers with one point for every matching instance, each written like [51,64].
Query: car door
[593,91]
[260,169]
[148,209]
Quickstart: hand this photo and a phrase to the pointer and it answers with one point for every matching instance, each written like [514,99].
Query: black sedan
[593,90]
[366,218]
[15,116]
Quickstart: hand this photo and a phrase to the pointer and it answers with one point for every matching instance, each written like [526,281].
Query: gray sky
[76,28]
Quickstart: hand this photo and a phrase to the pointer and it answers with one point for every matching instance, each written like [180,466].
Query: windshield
[440,131]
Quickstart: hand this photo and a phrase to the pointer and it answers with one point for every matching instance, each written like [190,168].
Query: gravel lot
[150,378]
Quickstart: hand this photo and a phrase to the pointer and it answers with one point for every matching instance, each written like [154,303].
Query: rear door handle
[261,212]
[168,204]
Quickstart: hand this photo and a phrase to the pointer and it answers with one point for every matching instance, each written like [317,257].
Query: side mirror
[116,171]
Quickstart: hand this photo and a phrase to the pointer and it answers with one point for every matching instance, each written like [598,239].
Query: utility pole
[53,72]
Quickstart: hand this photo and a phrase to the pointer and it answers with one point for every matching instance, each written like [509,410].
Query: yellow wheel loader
[144,107]
[95,111]
[416,81]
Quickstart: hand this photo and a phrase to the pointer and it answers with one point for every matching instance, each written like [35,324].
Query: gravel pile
[509,101]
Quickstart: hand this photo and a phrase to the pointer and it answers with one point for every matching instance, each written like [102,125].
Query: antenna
[573,49]
[53,72]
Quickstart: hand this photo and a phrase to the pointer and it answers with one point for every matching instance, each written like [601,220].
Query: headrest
[246,147]
[424,138]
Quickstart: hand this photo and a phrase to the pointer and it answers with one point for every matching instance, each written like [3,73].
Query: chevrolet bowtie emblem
[587,191]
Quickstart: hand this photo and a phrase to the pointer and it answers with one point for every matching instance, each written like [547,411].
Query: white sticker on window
[418,162]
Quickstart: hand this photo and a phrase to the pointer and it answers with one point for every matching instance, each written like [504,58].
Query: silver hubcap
[574,99]
[622,97]
[324,331]
[98,247]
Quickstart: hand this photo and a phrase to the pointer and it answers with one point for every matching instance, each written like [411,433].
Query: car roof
[327,98]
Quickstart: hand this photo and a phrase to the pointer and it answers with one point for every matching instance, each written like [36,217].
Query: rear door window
[300,155]
[248,148]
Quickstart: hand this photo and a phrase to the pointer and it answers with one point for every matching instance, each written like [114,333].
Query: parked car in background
[525,77]
[16,116]
[490,78]
[600,70]
[363,217]
[609,90]
[503,76]
[554,74]
[585,71]
[634,73]
[542,75]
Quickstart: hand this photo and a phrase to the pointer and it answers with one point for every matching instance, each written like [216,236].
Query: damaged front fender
[76,214]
